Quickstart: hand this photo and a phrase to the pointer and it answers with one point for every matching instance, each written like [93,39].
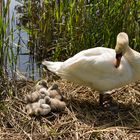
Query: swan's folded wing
[97,69]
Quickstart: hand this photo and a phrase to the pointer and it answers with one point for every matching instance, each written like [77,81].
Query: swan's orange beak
[118,60]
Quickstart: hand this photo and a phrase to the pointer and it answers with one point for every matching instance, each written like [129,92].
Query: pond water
[26,63]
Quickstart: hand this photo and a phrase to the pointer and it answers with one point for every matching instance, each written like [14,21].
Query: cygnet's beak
[118,60]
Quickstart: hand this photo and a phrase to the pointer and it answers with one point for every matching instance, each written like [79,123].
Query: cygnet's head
[45,109]
[54,87]
[57,105]
[32,97]
[29,109]
[44,91]
[122,44]
[47,100]
[43,83]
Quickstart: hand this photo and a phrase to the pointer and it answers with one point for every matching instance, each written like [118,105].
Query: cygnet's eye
[42,92]
[43,83]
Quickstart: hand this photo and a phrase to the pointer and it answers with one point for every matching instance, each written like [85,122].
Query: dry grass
[82,119]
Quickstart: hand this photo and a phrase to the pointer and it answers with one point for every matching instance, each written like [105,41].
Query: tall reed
[61,28]
[7,56]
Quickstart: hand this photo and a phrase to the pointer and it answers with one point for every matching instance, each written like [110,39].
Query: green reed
[60,28]
[7,56]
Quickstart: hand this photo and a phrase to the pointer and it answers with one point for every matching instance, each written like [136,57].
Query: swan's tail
[53,66]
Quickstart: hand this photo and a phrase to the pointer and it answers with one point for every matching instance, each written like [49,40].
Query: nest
[82,119]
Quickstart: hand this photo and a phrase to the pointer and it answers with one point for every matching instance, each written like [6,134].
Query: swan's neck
[133,58]
[129,54]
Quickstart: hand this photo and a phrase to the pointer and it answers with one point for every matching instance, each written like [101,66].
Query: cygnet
[54,92]
[41,84]
[55,104]
[38,108]
[35,96]
[44,91]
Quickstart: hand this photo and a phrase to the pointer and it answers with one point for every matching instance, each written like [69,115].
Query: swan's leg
[101,99]
[105,98]
[106,101]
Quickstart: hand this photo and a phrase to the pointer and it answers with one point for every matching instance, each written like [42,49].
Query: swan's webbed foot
[101,96]
[105,99]
[106,102]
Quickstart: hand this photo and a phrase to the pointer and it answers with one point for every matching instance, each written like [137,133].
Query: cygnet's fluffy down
[41,84]
[38,108]
[54,92]
[44,91]
[35,96]
[55,104]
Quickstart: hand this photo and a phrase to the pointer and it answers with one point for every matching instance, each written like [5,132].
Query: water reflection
[26,63]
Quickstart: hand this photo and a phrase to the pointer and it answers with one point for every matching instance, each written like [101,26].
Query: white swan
[101,68]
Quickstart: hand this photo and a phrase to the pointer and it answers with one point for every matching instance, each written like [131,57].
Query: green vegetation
[7,56]
[59,29]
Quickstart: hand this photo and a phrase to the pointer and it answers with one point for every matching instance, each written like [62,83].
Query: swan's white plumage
[95,67]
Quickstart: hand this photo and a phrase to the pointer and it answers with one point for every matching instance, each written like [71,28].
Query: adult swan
[101,68]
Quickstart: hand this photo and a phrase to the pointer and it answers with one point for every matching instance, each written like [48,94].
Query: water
[26,64]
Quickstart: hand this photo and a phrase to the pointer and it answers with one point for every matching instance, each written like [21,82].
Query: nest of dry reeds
[83,119]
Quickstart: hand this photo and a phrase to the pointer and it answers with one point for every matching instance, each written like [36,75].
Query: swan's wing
[88,56]
[100,63]
[98,69]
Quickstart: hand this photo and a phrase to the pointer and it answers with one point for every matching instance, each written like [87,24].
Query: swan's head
[122,44]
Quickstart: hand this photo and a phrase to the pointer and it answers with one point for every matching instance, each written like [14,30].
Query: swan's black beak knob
[118,60]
